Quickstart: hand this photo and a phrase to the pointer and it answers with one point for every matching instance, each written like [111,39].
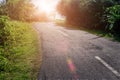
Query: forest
[101,15]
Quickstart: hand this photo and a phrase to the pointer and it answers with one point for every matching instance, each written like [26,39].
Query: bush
[17,44]
[113,19]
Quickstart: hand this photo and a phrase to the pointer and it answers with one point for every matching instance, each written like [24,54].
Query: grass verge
[19,51]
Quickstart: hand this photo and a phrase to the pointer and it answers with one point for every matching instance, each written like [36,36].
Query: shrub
[17,43]
[113,19]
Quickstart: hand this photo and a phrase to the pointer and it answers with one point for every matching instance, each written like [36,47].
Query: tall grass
[17,50]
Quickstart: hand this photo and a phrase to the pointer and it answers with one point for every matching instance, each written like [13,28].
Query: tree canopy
[88,13]
[22,10]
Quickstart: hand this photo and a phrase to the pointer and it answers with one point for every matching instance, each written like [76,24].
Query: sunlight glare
[48,6]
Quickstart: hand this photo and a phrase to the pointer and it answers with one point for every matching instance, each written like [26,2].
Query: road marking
[108,66]
[63,33]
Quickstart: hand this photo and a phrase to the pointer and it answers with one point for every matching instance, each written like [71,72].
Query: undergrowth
[17,50]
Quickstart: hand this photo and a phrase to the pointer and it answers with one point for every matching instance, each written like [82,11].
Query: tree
[20,9]
[3,10]
[88,13]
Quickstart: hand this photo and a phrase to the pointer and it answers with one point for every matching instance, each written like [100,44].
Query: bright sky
[1,0]
[47,6]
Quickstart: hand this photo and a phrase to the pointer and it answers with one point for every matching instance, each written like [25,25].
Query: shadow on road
[67,26]
[70,27]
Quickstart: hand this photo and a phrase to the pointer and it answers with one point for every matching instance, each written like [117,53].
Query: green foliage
[92,13]
[113,14]
[113,19]
[81,12]
[17,44]
[20,9]
[3,33]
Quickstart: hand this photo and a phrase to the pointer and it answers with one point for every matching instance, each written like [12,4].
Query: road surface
[70,54]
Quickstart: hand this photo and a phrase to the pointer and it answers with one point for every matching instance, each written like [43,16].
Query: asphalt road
[70,54]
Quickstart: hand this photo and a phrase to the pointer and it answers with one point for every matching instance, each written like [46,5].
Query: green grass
[20,54]
[93,31]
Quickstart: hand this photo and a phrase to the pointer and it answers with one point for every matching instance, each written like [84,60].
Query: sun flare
[48,6]
[45,6]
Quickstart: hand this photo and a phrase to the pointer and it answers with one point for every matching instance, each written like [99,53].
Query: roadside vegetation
[17,50]
[96,16]
[20,54]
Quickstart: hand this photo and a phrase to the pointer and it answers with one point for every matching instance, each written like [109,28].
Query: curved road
[70,54]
